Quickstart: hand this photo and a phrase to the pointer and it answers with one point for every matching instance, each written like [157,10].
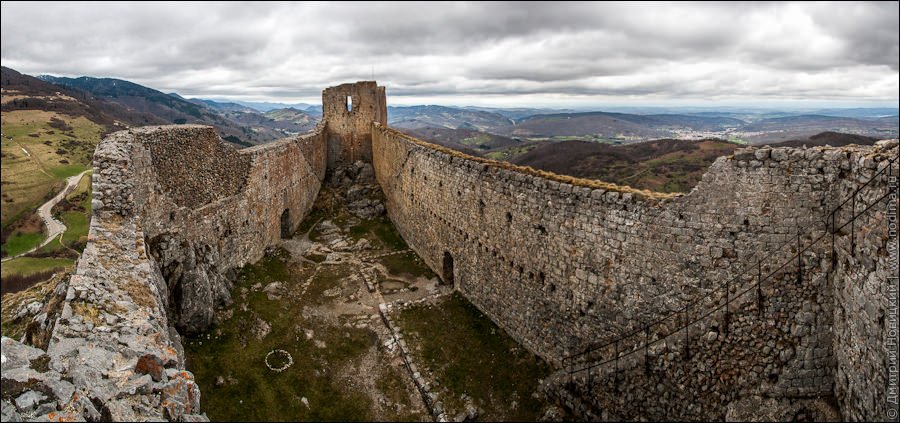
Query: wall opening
[349,103]
[448,268]
[286,223]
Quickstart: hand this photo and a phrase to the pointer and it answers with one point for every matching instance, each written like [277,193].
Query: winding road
[55,228]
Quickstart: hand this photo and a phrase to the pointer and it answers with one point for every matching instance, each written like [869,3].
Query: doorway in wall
[286,224]
[448,268]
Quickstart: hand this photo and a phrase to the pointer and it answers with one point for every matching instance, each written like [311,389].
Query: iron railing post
[590,381]
[799,259]
[853,226]
[646,350]
[833,235]
[616,374]
[759,298]
[687,335]
[727,305]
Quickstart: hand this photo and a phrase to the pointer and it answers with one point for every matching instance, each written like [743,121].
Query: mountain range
[237,124]
[651,147]
[249,123]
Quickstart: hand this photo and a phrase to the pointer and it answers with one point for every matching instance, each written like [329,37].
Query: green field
[510,152]
[20,242]
[39,150]
[28,265]
[77,214]
[501,378]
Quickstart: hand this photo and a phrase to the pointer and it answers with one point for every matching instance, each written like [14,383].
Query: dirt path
[34,159]
[55,228]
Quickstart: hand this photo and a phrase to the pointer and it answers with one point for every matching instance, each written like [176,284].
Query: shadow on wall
[447,274]
[286,224]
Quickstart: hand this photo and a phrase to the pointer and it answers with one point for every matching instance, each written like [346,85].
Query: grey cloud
[293,50]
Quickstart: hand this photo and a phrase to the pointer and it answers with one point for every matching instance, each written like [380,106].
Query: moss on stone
[406,264]
[252,392]
[469,354]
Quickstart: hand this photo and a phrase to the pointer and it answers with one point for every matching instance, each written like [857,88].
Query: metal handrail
[646,328]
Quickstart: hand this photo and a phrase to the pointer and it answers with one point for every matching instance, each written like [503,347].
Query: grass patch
[37,156]
[77,224]
[391,384]
[65,171]
[406,264]
[251,392]
[469,354]
[140,293]
[317,258]
[327,278]
[87,311]
[20,242]
[29,265]
[311,219]
[381,229]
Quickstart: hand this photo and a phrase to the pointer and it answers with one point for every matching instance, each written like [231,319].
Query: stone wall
[174,211]
[705,372]
[197,246]
[563,264]
[865,289]
[822,327]
[349,128]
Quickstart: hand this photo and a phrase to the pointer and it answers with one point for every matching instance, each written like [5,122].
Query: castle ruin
[651,306]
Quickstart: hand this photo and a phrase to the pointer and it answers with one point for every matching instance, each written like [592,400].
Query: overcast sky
[502,54]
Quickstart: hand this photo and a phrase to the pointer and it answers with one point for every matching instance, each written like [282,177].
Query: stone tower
[349,111]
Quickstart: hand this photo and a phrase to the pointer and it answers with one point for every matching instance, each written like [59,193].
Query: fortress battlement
[562,264]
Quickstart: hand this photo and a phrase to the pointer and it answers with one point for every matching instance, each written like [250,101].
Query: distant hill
[832,139]
[614,126]
[49,133]
[416,117]
[131,95]
[170,108]
[518,112]
[236,123]
[803,126]
[225,107]
[265,106]
[292,119]
[665,165]
[469,141]
[860,112]
[25,92]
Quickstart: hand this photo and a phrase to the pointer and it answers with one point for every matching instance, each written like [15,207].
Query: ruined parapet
[206,208]
[558,262]
[174,211]
[349,110]
[563,263]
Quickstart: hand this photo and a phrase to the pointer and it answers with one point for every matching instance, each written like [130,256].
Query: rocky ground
[322,307]
[315,299]
[466,366]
